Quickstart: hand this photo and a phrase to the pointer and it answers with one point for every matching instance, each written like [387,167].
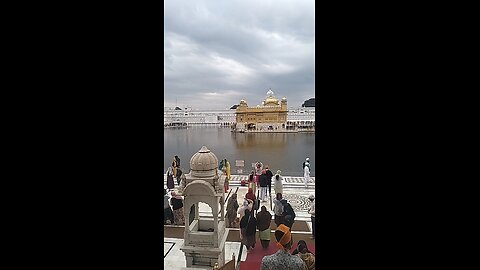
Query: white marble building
[187,117]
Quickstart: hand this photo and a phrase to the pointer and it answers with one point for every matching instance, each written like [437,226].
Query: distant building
[272,116]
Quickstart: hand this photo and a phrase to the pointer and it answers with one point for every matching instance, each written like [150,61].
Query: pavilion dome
[204,163]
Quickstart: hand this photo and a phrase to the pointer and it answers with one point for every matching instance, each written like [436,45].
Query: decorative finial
[204,149]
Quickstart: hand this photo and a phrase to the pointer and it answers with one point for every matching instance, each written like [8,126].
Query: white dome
[204,163]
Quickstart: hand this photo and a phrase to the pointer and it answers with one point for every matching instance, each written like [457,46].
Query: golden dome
[271,101]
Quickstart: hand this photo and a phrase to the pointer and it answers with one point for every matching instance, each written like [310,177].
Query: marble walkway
[174,258]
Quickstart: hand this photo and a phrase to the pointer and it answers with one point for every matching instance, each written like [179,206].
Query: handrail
[239,256]
[227,198]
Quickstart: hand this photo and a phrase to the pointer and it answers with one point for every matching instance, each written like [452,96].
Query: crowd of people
[250,217]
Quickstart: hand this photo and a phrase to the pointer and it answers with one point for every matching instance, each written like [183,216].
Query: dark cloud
[217,52]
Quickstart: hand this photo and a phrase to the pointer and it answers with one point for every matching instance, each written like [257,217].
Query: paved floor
[297,197]
[288,181]
[174,258]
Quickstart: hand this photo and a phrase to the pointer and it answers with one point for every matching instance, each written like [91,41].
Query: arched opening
[206,216]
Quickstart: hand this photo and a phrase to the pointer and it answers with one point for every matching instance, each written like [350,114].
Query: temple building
[271,116]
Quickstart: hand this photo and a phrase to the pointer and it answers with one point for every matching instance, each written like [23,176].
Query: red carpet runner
[254,258]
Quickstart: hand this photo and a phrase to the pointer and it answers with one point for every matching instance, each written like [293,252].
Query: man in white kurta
[306,174]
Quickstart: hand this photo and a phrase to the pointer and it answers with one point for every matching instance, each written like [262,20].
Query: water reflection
[255,140]
[282,151]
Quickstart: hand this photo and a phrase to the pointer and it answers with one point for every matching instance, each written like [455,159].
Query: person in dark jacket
[263,186]
[177,205]
[248,229]
[170,183]
[264,218]
[288,213]
[269,176]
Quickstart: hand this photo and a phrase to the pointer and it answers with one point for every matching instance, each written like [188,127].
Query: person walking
[264,218]
[288,213]
[232,208]
[306,163]
[306,175]
[269,177]
[170,174]
[248,229]
[278,183]
[282,259]
[247,204]
[177,205]
[278,209]
[263,186]
[311,211]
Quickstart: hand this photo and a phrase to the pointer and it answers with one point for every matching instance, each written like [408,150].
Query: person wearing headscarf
[170,183]
[232,207]
[306,255]
[300,246]
[282,259]
[248,229]
[247,204]
[177,205]
[250,195]
[278,209]
[264,219]
[263,186]
[278,182]
[167,211]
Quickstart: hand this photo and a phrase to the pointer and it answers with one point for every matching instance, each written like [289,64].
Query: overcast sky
[217,52]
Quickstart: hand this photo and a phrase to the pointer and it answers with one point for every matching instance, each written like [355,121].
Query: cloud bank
[218,52]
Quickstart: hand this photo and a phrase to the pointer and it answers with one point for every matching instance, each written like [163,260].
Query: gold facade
[271,115]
